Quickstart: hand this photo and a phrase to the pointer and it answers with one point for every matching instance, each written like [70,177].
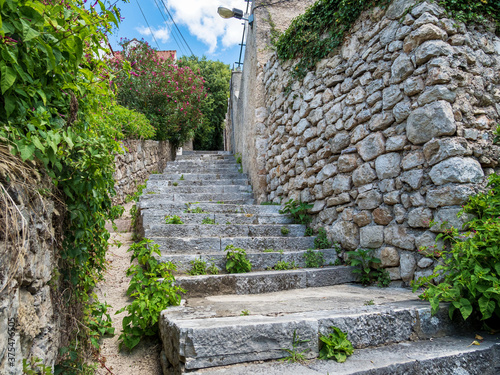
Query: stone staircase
[241,323]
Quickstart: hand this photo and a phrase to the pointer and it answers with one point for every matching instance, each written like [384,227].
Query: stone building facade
[390,134]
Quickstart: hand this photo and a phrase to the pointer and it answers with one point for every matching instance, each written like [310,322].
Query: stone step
[203,169]
[260,260]
[204,245]
[452,355]
[209,332]
[224,230]
[186,189]
[155,218]
[197,176]
[202,162]
[236,182]
[195,197]
[172,207]
[204,157]
[268,281]
[201,152]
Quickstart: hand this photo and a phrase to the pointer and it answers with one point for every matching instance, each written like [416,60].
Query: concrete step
[223,230]
[185,189]
[452,355]
[204,245]
[195,197]
[259,282]
[260,260]
[172,208]
[197,176]
[155,217]
[235,182]
[209,332]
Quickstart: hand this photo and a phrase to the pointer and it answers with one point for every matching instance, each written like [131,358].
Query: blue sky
[204,30]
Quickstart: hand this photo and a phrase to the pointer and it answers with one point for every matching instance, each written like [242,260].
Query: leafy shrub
[99,323]
[335,346]
[298,211]
[198,267]
[236,260]
[321,241]
[173,219]
[471,261]
[472,10]
[170,96]
[134,125]
[314,259]
[285,231]
[151,295]
[363,260]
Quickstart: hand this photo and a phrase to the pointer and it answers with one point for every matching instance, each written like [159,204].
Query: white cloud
[202,20]
[161,33]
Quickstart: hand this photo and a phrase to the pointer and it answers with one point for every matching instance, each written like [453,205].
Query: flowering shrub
[169,96]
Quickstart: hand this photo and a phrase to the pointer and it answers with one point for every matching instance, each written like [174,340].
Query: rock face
[393,132]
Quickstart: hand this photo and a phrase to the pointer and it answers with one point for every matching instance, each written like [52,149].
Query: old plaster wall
[30,325]
[250,135]
[139,160]
[393,131]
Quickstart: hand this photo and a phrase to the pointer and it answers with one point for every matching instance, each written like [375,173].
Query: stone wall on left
[140,159]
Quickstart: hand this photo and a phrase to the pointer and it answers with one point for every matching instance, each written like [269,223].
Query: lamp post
[227,13]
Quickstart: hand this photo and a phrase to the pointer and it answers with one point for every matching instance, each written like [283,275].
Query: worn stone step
[203,245]
[452,355]
[264,281]
[209,332]
[202,162]
[212,169]
[217,189]
[172,207]
[197,176]
[260,260]
[235,182]
[195,197]
[148,219]
[204,157]
[223,230]
[201,152]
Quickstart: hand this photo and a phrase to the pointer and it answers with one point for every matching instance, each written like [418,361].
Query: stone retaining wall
[390,133]
[141,158]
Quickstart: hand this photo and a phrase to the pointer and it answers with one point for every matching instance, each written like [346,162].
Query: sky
[204,31]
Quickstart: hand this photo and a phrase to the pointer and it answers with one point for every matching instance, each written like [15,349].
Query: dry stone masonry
[392,132]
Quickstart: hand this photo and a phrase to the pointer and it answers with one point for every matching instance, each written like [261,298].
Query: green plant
[298,211]
[245,313]
[268,251]
[285,231]
[195,210]
[321,241]
[471,10]
[294,354]
[207,220]
[309,232]
[198,267]
[174,219]
[337,262]
[363,259]
[283,266]
[220,202]
[383,278]
[35,366]
[335,346]
[99,322]
[236,260]
[470,266]
[238,158]
[181,178]
[369,303]
[314,259]
[175,184]
[213,269]
[152,286]
[269,204]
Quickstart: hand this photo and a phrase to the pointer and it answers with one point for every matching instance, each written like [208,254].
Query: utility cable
[181,48]
[145,19]
[172,18]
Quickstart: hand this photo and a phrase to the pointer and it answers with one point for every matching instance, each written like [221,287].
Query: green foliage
[383,278]
[319,31]
[471,261]
[134,124]
[238,158]
[99,322]
[314,259]
[194,210]
[210,135]
[236,260]
[363,260]
[472,10]
[35,366]
[174,219]
[283,266]
[170,96]
[321,241]
[298,211]
[213,269]
[175,183]
[369,303]
[135,197]
[198,267]
[181,178]
[245,313]
[294,354]
[285,231]
[153,289]
[335,346]
[309,232]
[207,220]
[269,204]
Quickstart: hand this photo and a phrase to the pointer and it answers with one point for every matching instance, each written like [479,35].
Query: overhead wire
[172,18]
[181,48]
[147,23]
